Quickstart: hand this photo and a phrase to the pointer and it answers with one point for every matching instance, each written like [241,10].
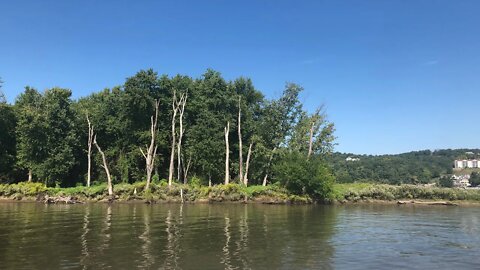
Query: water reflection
[106,232]
[146,239]
[226,247]
[176,236]
[83,238]
[172,248]
[242,242]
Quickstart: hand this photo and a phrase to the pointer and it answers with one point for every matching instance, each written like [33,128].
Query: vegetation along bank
[199,134]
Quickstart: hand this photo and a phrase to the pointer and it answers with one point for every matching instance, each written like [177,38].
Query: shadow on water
[137,236]
[237,236]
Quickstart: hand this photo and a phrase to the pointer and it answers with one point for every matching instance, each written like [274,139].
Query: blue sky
[395,76]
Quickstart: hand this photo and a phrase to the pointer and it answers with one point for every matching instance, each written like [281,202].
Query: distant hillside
[409,168]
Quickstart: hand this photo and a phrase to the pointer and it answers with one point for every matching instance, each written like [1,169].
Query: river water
[238,236]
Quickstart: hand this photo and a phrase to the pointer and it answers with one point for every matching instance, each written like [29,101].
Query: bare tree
[227,155]
[181,108]
[89,151]
[175,108]
[247,164]
[310,142]
[265,179]
[185,169]
[152,149]
[317,120]
[3,99]
[240,154]
[105,166]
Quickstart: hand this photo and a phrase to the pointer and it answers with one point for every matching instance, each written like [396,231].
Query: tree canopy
[45,134]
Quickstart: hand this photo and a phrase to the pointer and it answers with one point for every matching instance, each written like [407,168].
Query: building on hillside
[470,163]
[352,159]
[461,181]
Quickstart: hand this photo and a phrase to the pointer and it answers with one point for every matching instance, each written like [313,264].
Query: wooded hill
[155,127]
[408,168]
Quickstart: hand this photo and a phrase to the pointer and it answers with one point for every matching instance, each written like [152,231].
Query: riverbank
[161,193]
[379,193]
[158,193]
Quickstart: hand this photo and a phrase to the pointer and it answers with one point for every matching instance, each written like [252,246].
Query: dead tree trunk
[152,149]
[181,106]
[247,164]
[186,169]
[105,166]
[310,142]
[172,154]
[265,179]
[89,151]
[227,155]
[240,154]
[30,175]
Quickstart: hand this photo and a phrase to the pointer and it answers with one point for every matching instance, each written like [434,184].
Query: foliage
[46,135]
[23,188]
[475,179]
[445,181]
[418,167]
[7,141]
[366,191]
[301,175]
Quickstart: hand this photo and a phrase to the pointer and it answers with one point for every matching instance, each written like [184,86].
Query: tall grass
[365,191]
[158,192]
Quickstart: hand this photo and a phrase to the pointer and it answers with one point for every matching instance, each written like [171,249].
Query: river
[238,236]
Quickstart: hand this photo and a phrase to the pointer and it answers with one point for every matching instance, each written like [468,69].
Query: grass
[161,192]
[465,171]
[158,192]
[365,191]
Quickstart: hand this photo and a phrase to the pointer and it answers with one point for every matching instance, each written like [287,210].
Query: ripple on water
[230,236]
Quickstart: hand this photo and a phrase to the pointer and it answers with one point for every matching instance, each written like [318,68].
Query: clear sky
[395,75]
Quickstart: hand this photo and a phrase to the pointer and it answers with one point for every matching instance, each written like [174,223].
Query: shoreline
[265,201]
[160,193]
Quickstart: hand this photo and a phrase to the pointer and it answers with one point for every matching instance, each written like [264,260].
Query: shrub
[23,188]
[300,175]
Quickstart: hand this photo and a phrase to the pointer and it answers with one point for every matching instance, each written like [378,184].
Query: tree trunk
[185,170]
[227,155]
[181,106]
[240,154]
[105,166]
[172,154]
[30,175]
[89,152]
[265,180]
[310,144]
[245,177]
[268,167]
[152,149]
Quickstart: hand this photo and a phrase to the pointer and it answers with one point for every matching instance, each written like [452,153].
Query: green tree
[445,181]
[61,139]
[475,179]
[31,131]
[7,140]
[302,175]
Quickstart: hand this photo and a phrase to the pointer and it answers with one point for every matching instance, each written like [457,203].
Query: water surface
[237,236]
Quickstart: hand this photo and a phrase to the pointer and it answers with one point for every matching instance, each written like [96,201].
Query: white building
[471,163]
[352,159]
[461,181]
